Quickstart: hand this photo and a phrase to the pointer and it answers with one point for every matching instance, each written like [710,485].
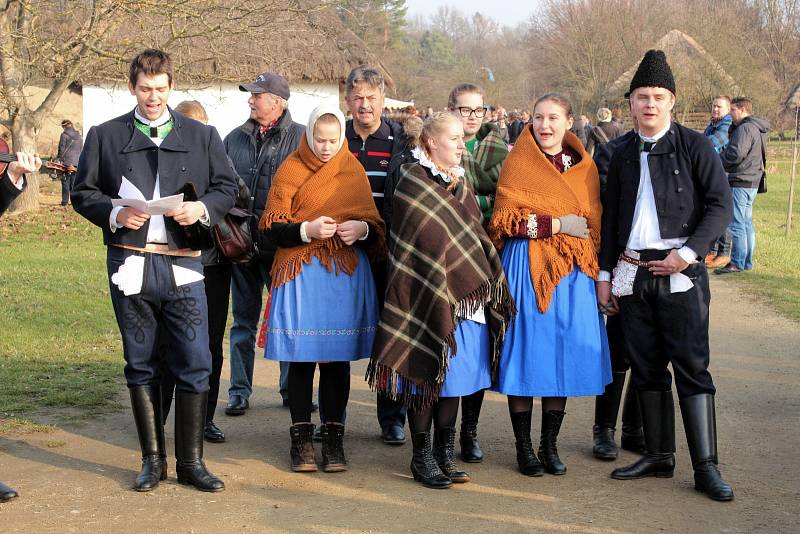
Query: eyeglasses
[466,112]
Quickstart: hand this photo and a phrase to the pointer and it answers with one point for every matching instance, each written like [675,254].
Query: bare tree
[54,43]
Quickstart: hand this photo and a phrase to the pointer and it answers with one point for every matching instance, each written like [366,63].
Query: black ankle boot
[7,493]
[606,408]
[302,450]
[632,438]
[470,412]
[190,416]
[527,461]
[444,450]
[700,423]
[548,451]
[423,464]
[146,405]
[658,417]
[333,459]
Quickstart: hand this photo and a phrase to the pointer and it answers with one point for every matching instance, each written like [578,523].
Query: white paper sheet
[131,196]
[128,277]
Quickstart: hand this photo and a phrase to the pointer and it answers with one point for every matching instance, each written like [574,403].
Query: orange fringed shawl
[528,184]
[305,188]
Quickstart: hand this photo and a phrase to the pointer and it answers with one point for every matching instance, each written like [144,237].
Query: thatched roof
[687,58]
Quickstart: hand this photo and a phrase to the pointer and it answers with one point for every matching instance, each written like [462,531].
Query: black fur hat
[653,71]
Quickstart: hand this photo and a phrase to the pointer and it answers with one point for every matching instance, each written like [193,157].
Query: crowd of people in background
[528,252]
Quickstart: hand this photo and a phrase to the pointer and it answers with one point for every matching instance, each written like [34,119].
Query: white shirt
[645,232]
[157,231]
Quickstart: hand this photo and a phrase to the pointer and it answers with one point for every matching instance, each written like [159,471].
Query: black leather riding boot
[444,450]
[548,450]
[146,405]
[632,438]
[190,416]
[527,461]
[423,464]
[7,493]
[658,416]
[700,423]
[470,412]
[606,408]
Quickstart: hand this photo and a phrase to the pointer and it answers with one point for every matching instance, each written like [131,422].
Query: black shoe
[700,422]
[468,440]
[333,459]
[424,466]
[285,403]
[658,418]
[319,433]
[190,415]
[444,450]
[6,493]
[548,450]
[302,449]
[393,435]
[237,405]
[212,433]
[146,406]
[527,461]
[728,269]
[606,409]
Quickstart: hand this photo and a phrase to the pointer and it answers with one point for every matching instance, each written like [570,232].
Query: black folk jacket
[191,153]
[693,198]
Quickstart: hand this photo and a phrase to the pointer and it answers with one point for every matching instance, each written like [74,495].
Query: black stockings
[444,410]
[334,389]
[525,404]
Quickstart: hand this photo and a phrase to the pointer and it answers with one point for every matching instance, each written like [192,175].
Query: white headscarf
[318,112]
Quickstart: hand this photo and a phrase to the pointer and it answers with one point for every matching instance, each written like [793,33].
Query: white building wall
[226,106]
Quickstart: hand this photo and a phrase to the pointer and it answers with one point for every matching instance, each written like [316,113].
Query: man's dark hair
[459,90]
[365,74]
[150,62]
[743,103]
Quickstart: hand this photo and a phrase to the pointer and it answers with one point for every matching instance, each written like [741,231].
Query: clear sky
[508,12]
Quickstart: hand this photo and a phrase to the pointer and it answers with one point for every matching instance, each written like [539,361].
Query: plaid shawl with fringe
[482,169]
[442,267]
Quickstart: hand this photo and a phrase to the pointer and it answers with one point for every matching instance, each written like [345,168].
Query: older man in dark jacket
[744,158]
[257,148]
[666,200]
[154,268]
[69,150]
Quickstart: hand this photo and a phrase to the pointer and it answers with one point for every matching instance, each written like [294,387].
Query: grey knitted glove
[574,225]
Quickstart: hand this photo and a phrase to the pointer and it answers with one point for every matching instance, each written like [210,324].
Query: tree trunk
[23,138]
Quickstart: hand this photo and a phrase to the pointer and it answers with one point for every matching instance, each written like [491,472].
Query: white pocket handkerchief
[185,276]
[128,277]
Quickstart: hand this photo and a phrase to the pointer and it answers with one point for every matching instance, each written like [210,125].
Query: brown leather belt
[159,248]
[634,261]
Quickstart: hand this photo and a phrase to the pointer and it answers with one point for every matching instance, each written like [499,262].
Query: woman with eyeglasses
[547,223]
[484,155]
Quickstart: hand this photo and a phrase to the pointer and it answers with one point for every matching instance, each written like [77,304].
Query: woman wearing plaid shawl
[447,302]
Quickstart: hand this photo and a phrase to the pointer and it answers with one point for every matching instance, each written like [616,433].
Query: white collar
[657,136]
[426,162]
[163,119]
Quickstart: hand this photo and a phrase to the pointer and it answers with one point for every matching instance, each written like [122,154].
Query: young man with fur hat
[667,199]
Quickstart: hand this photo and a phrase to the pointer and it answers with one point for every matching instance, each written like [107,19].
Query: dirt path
[77,479]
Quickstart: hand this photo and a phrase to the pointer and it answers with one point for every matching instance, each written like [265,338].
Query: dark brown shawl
[442,267]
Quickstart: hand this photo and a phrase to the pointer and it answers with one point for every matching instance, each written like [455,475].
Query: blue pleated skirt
[469,369]
[320,316]
[560,353]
